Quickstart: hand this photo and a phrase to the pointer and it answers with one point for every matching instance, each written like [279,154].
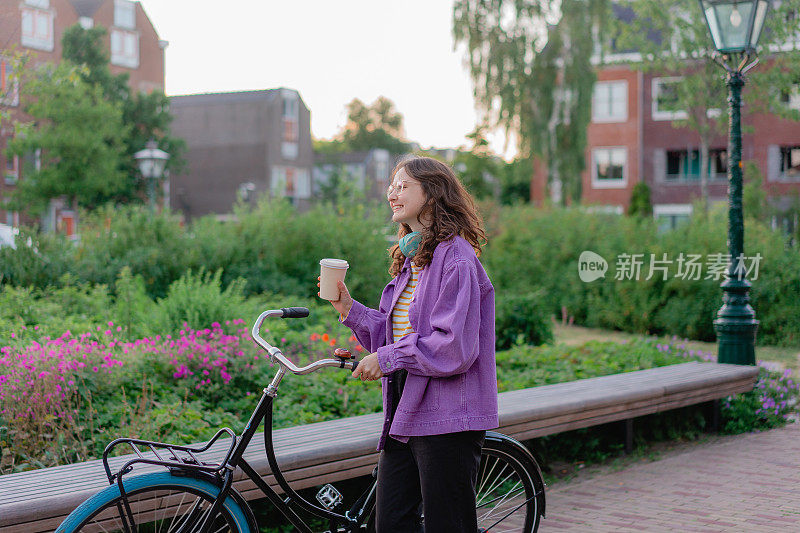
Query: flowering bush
[770,404]
[50,389]
[41,403]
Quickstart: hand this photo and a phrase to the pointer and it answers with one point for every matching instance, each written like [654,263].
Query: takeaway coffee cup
[331,272]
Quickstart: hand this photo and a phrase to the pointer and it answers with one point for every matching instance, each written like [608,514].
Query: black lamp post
[735,27]
[151,162]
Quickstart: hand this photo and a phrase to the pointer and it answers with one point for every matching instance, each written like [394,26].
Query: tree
[640,205]
[530,65]
[145,115]
[673,39]
[76,135]
[478,168]
[378,125]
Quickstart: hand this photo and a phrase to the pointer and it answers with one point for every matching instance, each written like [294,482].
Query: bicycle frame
[352,519]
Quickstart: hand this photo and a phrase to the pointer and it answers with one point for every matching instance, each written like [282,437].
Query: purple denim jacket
[452,378]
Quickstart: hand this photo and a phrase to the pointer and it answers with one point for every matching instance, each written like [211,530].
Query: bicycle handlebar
[275,353]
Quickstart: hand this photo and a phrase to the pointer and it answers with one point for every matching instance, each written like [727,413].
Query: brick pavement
[748,482]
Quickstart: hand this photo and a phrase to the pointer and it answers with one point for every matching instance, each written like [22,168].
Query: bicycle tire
[509,478]
[504,457]
[101,512]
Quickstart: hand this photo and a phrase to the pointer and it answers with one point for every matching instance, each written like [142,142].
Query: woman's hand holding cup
[345,301]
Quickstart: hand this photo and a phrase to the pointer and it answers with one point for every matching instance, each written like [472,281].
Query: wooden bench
[313,454]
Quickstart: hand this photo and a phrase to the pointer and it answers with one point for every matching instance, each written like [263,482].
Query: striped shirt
[400,323]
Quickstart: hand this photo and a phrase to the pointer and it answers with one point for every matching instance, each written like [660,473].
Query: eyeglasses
[398,188]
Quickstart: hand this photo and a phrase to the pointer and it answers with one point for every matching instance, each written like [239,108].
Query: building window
[790,162]
[609,167]
[290,116]
[290,133]
[610,101]
[12,170]
[791,98]
[665,99]
[124,14]
[37,28]
[670,216]
[9,88]
[290,182]
[684,165]
[289,150]
[381,165]
[125,48]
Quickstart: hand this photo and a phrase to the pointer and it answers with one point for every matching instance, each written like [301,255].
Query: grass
[577,335]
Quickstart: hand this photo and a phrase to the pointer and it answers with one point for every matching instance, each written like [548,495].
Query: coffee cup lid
[334,263]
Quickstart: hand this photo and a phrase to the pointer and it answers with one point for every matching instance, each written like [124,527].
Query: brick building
[36,27]
[631,138]
[241,145]
[369,169]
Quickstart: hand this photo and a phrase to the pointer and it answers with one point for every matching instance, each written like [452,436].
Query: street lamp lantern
[151,163]
[735,25]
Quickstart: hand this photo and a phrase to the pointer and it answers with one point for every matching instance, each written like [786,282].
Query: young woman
[431,341]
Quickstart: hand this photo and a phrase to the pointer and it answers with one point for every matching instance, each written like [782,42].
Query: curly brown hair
[449,207]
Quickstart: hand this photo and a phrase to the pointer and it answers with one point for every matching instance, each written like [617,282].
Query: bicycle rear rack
[172,456]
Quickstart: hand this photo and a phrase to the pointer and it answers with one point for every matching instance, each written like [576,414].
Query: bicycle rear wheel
[509,491]
[157,502]
[510,488]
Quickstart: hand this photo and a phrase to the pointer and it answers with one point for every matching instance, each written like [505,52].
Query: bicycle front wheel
[157,502]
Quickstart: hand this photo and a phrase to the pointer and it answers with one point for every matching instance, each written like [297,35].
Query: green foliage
[38,260]
[521,318]
[378,125]
[271,246]
[342,188]
[79,135]
[29,313]
[754,197]
[527,366]
[198,300]
[767,406]
[133,308]
[640,205]
[84,47]
[145,115]
[153,246]
[538,249]
[533,82]
[515,182]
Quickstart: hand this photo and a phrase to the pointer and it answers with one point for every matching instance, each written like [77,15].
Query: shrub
[535,249]
[640,205]
[199,301]
[770,404]
[521,319]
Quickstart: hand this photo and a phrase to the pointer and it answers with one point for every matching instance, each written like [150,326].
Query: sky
[331,52]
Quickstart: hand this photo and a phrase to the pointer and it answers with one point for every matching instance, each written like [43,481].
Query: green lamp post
[735,27]
[151,163]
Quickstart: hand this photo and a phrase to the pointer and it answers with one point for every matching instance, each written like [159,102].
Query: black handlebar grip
[294,312]
[354,365]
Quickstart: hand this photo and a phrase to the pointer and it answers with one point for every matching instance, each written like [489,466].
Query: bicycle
[194,496]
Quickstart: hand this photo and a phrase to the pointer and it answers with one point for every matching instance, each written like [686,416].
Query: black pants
[437,471]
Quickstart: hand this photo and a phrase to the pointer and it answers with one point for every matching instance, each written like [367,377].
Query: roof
[86,8]
[223,98]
